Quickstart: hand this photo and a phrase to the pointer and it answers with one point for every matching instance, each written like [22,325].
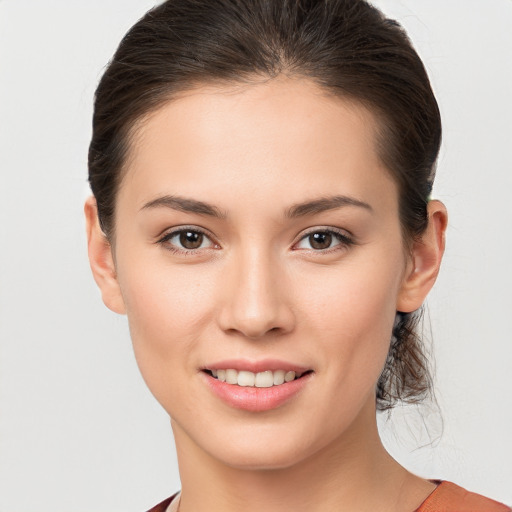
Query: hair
[347,47]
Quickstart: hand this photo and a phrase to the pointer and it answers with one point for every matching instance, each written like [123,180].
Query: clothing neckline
[445,496]
[438,483]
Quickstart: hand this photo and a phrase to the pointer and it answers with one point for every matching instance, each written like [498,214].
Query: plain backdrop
[78,429]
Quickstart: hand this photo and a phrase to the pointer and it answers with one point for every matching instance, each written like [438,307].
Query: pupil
[320,240]
[191,239]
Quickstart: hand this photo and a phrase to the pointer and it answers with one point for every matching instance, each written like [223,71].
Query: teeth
[289,376]
[245,378]
[231,377]
[264,379]
[278,377]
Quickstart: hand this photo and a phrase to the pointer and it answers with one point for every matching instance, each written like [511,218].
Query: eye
[186,240]
[323,239]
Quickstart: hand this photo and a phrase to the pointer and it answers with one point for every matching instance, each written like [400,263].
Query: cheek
[351,316]
[168,309]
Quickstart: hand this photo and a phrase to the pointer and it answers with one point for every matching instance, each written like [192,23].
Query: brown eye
[187,241]
[191,239]
[321,240]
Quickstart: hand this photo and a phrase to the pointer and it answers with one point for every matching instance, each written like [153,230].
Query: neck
[354,473]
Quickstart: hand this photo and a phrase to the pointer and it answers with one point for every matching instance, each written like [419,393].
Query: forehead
[284,132]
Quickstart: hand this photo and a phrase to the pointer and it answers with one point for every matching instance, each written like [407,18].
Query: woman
[261,173]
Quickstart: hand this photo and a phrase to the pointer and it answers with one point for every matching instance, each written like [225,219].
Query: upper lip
[256,366]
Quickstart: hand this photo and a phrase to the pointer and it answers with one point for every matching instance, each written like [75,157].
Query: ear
[427,253]
[101,259]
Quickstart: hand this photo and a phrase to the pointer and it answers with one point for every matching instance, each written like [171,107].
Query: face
[257,232]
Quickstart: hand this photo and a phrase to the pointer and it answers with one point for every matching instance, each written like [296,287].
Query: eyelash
[345,240]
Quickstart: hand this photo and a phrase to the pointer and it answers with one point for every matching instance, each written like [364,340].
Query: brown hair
[347,47]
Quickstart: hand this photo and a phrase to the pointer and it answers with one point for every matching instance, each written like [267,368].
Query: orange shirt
[447,497]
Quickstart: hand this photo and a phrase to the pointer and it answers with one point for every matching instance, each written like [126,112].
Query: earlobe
[427,254]
[101,259]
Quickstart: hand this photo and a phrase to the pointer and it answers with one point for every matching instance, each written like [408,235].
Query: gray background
[78,429]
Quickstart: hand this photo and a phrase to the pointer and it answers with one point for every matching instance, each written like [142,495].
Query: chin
[266,460]
[253,447]
[265,448]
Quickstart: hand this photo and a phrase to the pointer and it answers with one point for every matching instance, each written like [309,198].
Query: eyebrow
[313,207]
[324,204]
[184,204]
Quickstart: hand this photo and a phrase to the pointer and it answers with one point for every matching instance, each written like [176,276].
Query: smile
[264,379]
[256,386]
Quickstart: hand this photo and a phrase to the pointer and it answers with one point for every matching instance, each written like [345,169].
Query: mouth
[263,379]
[257,386]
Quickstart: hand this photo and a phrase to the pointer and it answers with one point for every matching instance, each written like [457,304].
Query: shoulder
[449,497]
[164,505]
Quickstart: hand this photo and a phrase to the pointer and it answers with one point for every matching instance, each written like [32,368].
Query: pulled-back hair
[347,47]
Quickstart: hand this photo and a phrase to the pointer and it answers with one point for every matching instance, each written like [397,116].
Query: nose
[255,300]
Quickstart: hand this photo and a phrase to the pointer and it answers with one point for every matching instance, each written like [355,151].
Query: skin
[256,288]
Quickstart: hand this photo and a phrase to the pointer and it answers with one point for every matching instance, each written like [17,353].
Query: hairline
[134,128]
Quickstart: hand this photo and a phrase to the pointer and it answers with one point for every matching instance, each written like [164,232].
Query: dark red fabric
[162,506]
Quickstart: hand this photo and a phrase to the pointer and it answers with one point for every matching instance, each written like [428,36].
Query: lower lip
[256,399]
